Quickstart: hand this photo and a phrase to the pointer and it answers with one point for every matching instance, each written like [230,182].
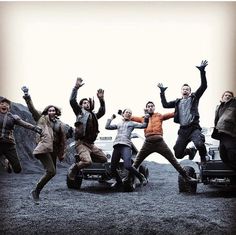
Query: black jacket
[194,100]
[86,121]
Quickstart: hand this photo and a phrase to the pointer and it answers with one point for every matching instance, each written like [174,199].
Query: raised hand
[100,94]
[146,114]
[79,82]
[38,130]
[25,90]
[162,88]
[203,65]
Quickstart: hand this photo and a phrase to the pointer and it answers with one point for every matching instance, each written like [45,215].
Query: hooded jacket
[46,141]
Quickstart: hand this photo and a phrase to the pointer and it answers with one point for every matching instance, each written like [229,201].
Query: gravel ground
[157,208]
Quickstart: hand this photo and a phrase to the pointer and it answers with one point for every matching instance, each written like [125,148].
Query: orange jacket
[155,123]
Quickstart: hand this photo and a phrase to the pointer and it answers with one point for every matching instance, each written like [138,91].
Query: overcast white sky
[126,48]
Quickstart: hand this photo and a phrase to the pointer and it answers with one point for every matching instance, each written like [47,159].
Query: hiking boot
[35,194]
[111,181]
[9,167]
[117,185]
[72,172]
[143,180]
[191,153]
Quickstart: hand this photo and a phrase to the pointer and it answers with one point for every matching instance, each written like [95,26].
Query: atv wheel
[185,186]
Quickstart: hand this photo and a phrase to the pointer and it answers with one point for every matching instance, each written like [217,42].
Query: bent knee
[51,173]
[87,163]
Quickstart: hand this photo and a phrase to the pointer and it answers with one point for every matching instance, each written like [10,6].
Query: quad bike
[101,172]
[213,172]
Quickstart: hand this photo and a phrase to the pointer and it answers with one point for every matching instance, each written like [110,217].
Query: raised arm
[73,98]
[164,102]
[35,113]
[203,85]
[108,125]
[102,109]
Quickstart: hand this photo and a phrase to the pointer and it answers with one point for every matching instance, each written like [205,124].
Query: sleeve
[22,123]
[164,102]
[102,109]
[137,119]
[108,125]
[140,125]
[73,103]
[167,116]
[35,113]
[203,85]
[216,115]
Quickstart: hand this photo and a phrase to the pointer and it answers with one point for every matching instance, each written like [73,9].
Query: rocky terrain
[157,208]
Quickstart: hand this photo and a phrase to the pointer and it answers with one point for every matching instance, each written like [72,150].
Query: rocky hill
[25,142]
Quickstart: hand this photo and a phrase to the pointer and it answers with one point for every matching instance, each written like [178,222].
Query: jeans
[124,152]
[185,136]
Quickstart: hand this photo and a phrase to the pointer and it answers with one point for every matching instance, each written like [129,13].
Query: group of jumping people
[52,133]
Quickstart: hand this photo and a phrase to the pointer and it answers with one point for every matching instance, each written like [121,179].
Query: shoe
[9,168]
[117,185]
[72,172]
[111,181]
[143,180]
[35,194]
[191,153]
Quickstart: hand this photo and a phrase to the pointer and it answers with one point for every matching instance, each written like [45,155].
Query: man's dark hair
[82,100]
[149,102]
[185,84]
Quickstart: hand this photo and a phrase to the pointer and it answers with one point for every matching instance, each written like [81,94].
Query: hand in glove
[100,94]
[162,88]
[25,90]
[38,130]
[79,82]
[203,65]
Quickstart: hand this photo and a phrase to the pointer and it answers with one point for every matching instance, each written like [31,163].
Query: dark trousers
[185,136]
[124,152]
[49,163]
[156,144]
[228,150]
[9,151]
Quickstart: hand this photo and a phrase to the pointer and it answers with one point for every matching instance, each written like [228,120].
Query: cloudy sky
[126,48]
